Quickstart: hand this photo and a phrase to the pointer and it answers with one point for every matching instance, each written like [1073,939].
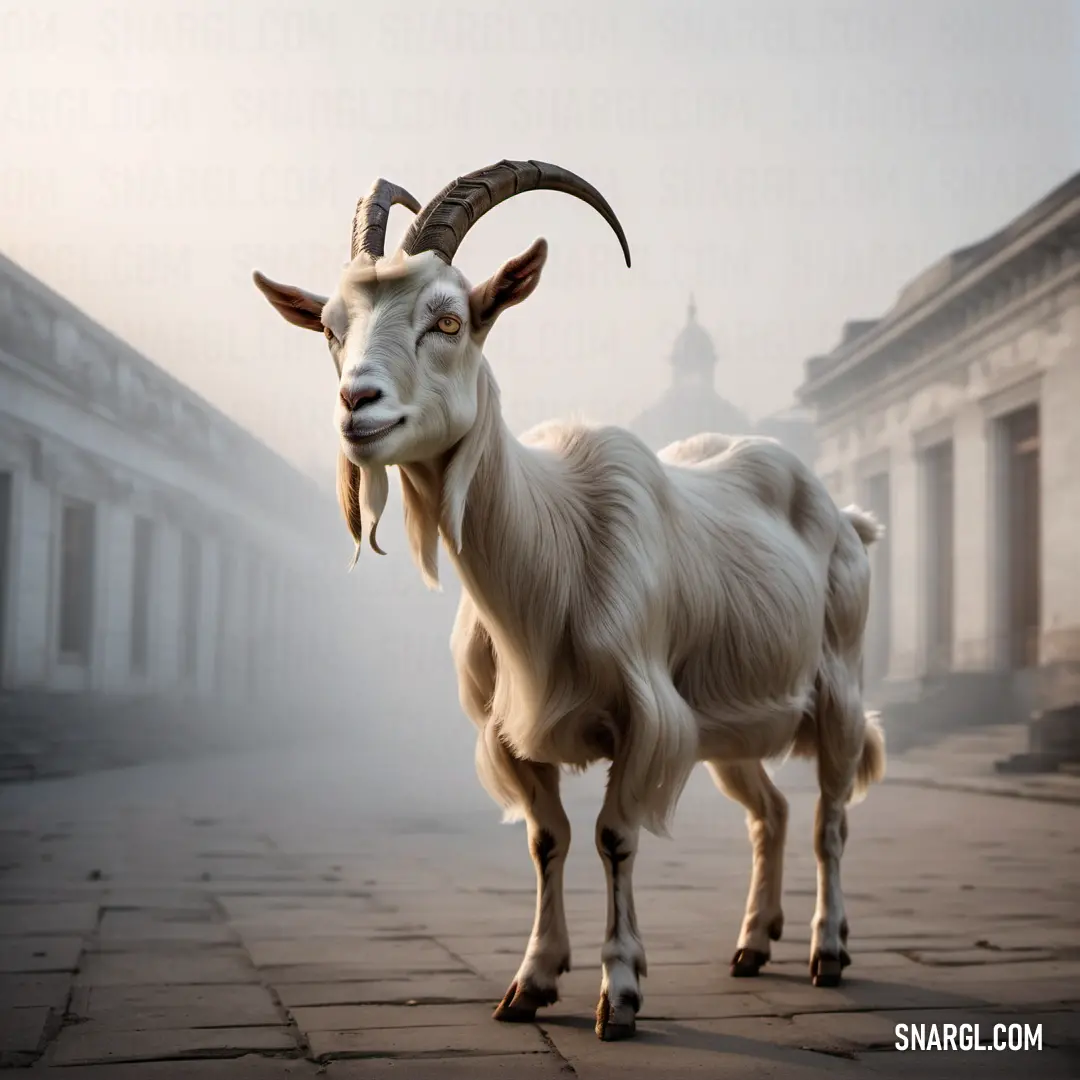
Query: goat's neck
[507,505]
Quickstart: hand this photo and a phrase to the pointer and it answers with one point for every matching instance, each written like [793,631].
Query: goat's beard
[362,493]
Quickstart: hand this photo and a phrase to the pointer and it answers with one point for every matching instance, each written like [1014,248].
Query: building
[954,417]
[148,545]
[691,404]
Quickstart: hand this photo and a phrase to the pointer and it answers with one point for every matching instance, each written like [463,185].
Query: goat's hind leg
[840,735]
[748,783]
[547,955]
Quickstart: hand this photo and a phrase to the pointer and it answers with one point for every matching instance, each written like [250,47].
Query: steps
[955,702]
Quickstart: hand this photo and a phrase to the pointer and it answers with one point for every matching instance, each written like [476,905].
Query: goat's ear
[513,282]
[293,304]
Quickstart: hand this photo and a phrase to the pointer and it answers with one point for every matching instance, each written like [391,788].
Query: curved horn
[372,211]
[445,220]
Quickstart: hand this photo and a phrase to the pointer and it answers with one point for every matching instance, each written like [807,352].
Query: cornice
[1019,261]
[65,352]
[897,372]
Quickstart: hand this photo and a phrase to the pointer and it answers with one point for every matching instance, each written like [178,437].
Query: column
[272,635]
[164,671]
[1059,638]
[115,545]
[254,638]
[209,603]
[30,589]
[234,653]
[906,592]
[973,616]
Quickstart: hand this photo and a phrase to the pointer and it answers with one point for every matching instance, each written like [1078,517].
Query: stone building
[691,404]
[148,545]
[955,416]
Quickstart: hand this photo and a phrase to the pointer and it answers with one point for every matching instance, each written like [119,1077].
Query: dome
[686,410]
[690,404]
[694,354]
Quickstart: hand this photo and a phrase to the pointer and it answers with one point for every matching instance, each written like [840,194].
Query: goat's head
[406,331]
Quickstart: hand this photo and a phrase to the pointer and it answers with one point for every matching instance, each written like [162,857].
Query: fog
[793,165]
[241,830]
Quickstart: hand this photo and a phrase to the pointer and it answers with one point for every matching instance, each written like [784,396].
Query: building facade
[691,405]
[148,545]
[955,417]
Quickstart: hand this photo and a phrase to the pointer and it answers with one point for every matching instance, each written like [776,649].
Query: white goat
[703,604]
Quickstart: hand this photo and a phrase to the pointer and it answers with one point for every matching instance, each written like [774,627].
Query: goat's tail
[868,528]
[871,767]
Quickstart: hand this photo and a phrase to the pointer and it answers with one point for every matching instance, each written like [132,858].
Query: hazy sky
[793,164]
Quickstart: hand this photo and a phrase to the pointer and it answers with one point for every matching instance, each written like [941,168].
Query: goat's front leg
[623,955]
[547,955]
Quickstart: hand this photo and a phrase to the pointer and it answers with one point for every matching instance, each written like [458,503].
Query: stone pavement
[269,916]
[964,761]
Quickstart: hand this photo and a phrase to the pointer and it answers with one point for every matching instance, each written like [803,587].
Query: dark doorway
[190,597]
[76,581]
[940,487]
[6,494]
[879,619]
[254,623]
[141,568]
[1021,527]
[222,652]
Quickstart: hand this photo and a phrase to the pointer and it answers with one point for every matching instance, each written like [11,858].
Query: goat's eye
[448,324]
[330,335]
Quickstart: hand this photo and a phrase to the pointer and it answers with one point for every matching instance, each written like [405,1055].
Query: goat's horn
[372,211]
[443,223]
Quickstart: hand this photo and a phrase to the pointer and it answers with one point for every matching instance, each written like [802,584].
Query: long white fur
[704,604]
[667,607]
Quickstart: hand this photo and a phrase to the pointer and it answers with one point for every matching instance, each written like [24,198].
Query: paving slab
[157,967]
[690,1006]
[93,1043]
[20,955]
[787,995]
[65,919]
[25,991]
[247,1067]
[421,954]
[382,947]
[351,971]
[430,989]
[543,1065]
[482,1036]
[366,1017]
[140,1008]
[24,1032]
[121,928]
[165,896]
[683,1049]
[947,1065]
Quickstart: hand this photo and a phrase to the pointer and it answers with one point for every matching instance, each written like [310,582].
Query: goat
[704,604]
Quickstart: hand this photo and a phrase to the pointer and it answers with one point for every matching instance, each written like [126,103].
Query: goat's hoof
[748,962]
[776,928]
[521,1002]
[826,969]
[615,1022]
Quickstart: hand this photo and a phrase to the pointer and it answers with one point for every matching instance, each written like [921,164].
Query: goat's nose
[355,396]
